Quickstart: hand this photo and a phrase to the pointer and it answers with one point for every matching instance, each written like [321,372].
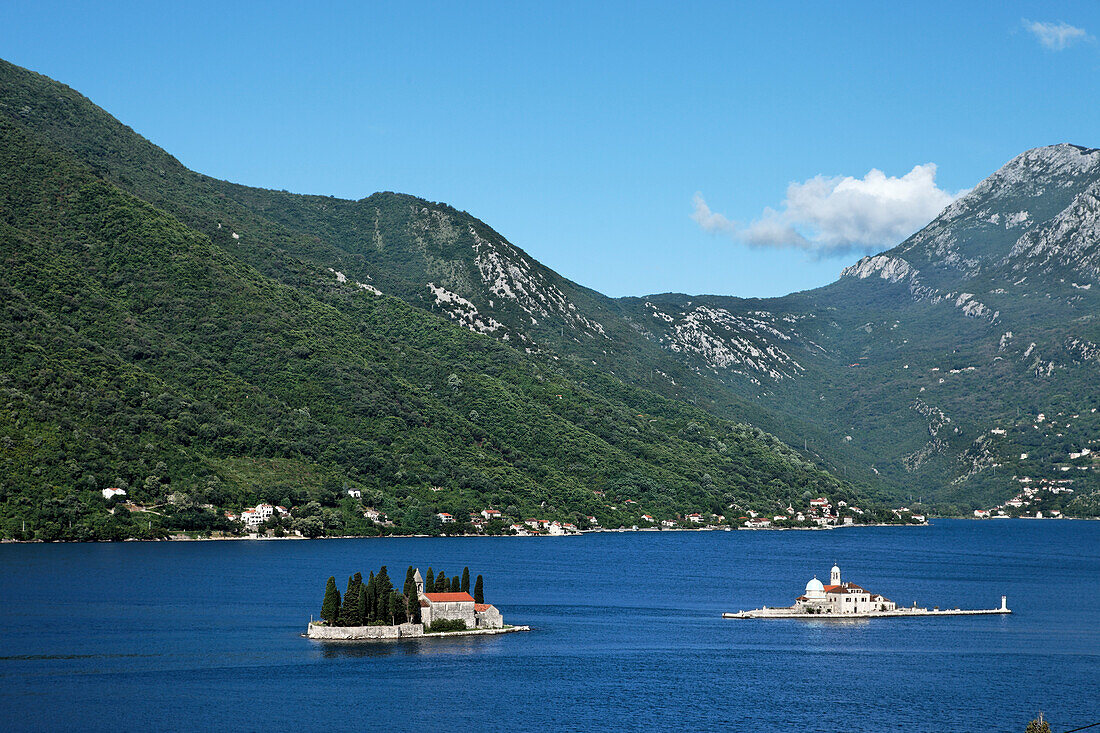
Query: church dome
[814,589]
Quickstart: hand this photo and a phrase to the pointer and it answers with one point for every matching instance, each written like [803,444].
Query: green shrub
[447,625]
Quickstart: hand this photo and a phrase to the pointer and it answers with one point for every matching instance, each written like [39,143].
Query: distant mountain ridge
[996,304]
[942,353]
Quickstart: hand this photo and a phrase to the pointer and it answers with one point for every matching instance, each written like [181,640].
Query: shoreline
[578,534]
[256,538]
[360,634]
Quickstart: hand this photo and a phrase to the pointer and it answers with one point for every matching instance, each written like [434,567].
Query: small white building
[355,493]
[445,518]
[109,493]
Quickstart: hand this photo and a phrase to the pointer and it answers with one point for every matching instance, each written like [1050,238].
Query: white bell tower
[834,575]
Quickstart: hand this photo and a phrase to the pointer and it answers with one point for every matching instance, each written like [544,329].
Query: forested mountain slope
[151,343]
[922,371]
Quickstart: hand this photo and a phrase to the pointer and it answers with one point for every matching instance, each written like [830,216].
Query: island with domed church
[436,606]
[845,600]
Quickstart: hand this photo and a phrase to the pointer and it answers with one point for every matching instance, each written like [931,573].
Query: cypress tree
[330,607]
[361,606]
[465,580]
[372,595]
[479,591]
[349,609]
[414,606]
[429,582]
[397,606]
[383,589]
[385,585]
[441,582]
[456,584]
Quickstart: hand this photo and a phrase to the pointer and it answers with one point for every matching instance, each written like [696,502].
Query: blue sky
[589,136]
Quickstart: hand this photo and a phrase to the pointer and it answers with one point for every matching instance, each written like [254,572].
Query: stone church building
[456,606]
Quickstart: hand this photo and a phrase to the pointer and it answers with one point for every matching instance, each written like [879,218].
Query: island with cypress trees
[433,606]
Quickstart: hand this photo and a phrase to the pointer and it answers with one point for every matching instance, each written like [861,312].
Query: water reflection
[463,645]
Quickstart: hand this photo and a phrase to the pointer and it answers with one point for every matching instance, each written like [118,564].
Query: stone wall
[351,633]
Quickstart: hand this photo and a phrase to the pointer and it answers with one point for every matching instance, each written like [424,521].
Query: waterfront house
[445,518]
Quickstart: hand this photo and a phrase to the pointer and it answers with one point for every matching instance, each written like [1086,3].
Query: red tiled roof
[449,597]
[482,607]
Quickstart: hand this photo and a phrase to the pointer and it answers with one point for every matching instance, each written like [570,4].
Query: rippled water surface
[627,634]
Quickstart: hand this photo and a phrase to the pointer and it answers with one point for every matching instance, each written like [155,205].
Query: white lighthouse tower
[834,575]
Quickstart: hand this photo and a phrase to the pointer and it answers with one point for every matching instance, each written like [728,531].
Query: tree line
[378,603]
[455,584]
[374,603]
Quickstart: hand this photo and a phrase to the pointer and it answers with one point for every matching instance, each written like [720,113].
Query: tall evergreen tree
[385,585]
[441,582]
[429,582]
[456,584]
[413,601]
[330,607]
[479,591]
[383,589]
[361,606]
[349,610]
[372,596]
[465,580]
[397,607]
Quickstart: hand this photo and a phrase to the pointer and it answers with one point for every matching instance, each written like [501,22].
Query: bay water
[627,634]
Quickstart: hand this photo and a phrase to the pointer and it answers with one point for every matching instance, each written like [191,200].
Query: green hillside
[139,352]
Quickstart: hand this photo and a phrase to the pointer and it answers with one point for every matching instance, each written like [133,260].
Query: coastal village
[1036,500]
[276,521]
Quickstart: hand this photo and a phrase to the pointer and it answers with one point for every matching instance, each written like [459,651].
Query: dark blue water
[628,634]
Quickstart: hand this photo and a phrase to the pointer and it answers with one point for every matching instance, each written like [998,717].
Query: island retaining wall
[350,633]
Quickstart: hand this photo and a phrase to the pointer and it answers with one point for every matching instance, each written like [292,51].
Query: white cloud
[832,215]
[1055,36]
[708,220]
